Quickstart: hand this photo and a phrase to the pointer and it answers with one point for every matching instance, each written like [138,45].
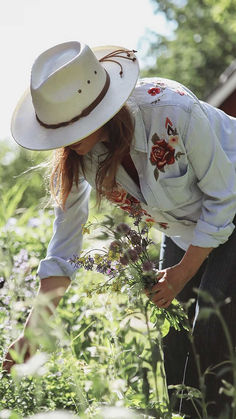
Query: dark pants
[217,276]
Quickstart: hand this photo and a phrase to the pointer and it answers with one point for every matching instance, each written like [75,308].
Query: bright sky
[28,27]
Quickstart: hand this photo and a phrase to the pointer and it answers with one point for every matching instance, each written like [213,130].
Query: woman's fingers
[161,294]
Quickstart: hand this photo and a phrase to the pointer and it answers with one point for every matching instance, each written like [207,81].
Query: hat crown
[65,80]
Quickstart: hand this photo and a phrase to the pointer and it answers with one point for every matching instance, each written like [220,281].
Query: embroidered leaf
[156,173]
[162,169]
[155,138]
[177,156]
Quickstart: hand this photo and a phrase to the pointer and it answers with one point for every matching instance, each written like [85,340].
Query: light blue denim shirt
[184,151]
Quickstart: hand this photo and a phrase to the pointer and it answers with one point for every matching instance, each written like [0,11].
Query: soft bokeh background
[28,27]
[101,354]
[192,41]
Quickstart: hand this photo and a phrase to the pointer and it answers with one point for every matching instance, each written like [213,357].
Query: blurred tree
[202,46]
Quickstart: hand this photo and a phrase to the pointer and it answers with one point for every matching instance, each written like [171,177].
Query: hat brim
[28,133]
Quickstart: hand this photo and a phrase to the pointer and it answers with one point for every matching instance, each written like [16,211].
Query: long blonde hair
[67,165]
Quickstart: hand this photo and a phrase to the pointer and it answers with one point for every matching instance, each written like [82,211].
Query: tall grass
[96,351]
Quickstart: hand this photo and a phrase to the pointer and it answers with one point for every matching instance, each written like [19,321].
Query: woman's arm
[172,280]
[53,288]
[67,235]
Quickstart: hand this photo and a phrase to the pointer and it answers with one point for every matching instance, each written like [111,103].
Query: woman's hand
[170,282]
[23,348]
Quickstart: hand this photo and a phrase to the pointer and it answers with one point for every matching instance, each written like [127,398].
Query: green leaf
[155,138]
[156,173]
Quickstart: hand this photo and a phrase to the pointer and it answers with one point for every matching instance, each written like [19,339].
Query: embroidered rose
[127,202]
[133,206]
[162,153]
[154,91]
[118,196]
[130,204]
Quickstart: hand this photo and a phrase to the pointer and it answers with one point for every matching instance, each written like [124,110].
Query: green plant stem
[231,353]
[150,343]
[196,409]
[200,378]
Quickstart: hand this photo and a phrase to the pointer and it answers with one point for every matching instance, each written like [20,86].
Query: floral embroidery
[162,152]
[173,140]
[154,91]
[157,88]
[181,93]
[163,225]
[169,127]
[128,203]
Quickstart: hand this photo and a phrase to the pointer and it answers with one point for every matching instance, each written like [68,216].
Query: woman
[155,143]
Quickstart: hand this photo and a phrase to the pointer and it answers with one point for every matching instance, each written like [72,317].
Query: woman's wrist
[193,259]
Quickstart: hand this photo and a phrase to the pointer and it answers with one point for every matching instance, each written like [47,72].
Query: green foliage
[100,350]
[15,164]
[202,46]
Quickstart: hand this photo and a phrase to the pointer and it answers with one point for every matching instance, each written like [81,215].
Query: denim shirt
[184,151]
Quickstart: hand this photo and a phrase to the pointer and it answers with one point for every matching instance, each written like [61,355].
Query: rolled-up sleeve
[216,179]
[67,236]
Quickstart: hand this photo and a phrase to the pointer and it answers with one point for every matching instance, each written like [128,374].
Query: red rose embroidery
[154,91]
[162,153]
[130,204]
[118,196]
[133,206]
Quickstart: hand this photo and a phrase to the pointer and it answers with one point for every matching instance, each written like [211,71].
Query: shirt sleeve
[216,179]
[67,235]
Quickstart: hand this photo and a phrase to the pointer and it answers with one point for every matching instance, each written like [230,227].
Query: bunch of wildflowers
[126,260]
[127,263]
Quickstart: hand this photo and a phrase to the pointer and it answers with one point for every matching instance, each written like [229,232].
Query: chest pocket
[179,191]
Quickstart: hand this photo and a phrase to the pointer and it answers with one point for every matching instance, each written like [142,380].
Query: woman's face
[82,147]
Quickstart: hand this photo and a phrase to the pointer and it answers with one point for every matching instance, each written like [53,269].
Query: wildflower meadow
[100,353]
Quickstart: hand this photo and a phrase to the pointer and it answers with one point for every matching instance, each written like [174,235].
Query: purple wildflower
[147,266]
[132,255]
[89,264]
[115,246]
[134,237]
[123,228]
[124,260]
[138,249]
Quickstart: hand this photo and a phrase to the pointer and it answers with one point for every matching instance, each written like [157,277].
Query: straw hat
[74,91]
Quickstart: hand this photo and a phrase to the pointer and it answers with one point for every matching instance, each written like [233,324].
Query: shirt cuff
[207,235]
[56,266]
